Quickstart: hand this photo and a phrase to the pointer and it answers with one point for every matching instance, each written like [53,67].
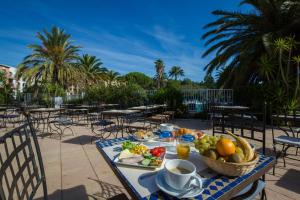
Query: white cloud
[125,52]
[128,53]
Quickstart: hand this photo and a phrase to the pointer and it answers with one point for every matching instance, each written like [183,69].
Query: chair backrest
[245,123]
[21,166]
[287,121]
[285,118]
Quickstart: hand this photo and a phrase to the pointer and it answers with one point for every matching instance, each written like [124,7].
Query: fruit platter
[226,156]
[138,155]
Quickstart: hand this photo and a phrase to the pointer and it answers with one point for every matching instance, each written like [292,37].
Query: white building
[10,74]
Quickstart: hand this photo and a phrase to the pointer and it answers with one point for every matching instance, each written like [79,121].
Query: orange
[225,147]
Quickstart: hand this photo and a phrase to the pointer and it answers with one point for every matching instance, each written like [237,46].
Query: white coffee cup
[179,181]
[166,127]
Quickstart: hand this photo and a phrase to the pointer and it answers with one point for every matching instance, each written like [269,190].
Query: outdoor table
[287,117]
[3,108]
[118,114]
[85,106]
[231,107]
[78,112]
[104,105]
[45,119]
[150,108]
[215,186]
[144,108]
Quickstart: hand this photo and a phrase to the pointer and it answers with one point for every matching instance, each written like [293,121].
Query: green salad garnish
[128,145]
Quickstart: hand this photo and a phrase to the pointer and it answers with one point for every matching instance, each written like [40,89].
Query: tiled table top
[215,186]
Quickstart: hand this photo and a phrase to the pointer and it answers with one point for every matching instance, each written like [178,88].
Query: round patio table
[78,112]
[43,116]
[119,115]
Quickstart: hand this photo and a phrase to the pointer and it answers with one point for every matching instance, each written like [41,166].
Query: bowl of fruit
[225,156]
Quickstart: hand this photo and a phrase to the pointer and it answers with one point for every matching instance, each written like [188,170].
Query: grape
[201,150]
[203,141]
[206,142]
[206,146]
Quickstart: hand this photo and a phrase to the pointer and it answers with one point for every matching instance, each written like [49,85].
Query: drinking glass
[183,149]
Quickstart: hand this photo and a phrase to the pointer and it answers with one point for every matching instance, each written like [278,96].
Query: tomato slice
[155,151]
[161,149]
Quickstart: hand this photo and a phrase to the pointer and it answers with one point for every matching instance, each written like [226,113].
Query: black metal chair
[10,116]
[21,169]
[62,122]
[289,124]
[102,129]
[250,125]
[136,121]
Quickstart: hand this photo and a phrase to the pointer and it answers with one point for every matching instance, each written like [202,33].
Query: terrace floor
[76,170]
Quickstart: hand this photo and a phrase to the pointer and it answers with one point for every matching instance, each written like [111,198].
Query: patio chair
[62,122]
[158,119]
[10,116]
[252,126]
[289,124]
[136,121]
[102,129]
[95,114]
[21,166]
[170,114]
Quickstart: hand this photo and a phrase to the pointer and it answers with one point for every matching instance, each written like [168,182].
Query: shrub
[172,96]
[6,92]
[125,95]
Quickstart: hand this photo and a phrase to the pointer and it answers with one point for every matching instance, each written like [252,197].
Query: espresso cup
[176,180]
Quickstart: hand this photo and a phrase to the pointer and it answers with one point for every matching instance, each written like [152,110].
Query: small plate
[162,185]
[143,140]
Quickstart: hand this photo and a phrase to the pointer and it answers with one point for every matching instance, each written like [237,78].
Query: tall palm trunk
[289,63]
[55,74]
[297,84]
[281,69]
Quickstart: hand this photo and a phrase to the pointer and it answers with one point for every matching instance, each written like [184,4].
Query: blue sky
[127,35]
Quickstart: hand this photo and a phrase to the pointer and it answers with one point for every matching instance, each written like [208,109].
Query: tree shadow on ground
[82,140]
[108,191]
[290,180]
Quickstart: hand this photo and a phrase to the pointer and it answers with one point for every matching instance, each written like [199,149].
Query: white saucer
[162,185]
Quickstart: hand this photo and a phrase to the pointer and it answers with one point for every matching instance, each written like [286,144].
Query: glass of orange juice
[182,149]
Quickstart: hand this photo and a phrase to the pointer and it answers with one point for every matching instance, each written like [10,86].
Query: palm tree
[112,76]
[175,72]
[92,69]
[54,60]
[239,39]
[160,68]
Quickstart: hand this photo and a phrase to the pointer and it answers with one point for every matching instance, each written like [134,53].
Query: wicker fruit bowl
[229,168]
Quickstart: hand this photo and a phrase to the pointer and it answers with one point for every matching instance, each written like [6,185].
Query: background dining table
[43,116]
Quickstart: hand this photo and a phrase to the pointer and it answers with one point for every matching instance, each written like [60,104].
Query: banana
[244,144]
